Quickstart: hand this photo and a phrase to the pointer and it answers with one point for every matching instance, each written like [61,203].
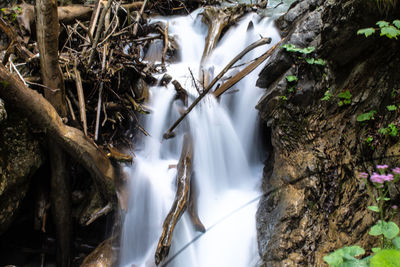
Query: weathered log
[42,113]
[102,256]
[169,133]
[181,200]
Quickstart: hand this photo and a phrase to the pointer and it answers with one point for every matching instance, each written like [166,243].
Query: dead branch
[134,5]
[164,52]
[169,133]
[232,81]
[43,114]
[180,204]
[98,31]
[138,17]
[81,98]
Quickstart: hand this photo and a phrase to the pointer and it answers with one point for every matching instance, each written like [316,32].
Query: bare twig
[164,52]
[194,82]
[138,16]
[81,97]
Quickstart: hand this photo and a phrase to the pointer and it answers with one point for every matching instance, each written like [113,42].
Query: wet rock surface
[313,202]
[20,157]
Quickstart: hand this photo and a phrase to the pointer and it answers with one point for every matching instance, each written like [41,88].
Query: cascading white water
[227,167]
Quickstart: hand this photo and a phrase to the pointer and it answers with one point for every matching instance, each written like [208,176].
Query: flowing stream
[227,164]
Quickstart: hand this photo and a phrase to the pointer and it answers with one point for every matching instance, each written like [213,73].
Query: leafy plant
[388,254]
[390,130]
[291,78]
[391,107]
[327,95]
[366,116]
[345,98]
[386,29]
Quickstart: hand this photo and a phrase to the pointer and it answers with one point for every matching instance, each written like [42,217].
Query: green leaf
[291,89]
[367,32]
[375,250]
[393,130]
[390,32]
[345,257]
[347,101]
[366,116]
[388,229]
[307,50]
[310,60]
[320,62]
[290,48]
[391,107]
[369,139]
[396,242]
[345,95]
[382,23]
[340,103]
[291,78]
[396,23]
[386,258]
[383,131]
[376,229]
[283,97]
[327,96]
[373,208]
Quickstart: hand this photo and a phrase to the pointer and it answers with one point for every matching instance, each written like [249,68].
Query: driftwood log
[181,200]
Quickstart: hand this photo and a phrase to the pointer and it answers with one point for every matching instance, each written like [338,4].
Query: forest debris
[116,155]
[137,107]
[98,213]
[164,52]
[102,256]
[181,93]
[81,97]
[183,179]
[43,114]
[138,17]
[169,132]
[220,90]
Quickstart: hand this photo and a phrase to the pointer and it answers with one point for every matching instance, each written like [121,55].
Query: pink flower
[363,175]
[396,170]
[382,167]
[395,207]
[377,178]
[388,177]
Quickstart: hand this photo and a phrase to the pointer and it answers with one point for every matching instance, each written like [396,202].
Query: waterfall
[227,164]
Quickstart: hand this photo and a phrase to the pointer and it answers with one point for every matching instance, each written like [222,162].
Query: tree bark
[47,30]
[181,199]
[42,113]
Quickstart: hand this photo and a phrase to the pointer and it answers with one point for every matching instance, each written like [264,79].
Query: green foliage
[291,78]
[386,258]
[318,61]
[390,130]
[367,32]
[327,95]
[396,242]
[386,29]
[366,116]
[391,107]
[345,98]
[373,208]
[345,256]
[293,48]
[283,97]
[389,229]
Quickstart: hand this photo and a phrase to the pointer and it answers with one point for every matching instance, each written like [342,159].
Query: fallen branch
[138,16]
[232,81]
[81,98]
[164,52]
[180,204]
[169,133]
[74,142]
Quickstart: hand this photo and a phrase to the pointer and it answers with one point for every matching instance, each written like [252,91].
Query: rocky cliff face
[313,203]
[20,157]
